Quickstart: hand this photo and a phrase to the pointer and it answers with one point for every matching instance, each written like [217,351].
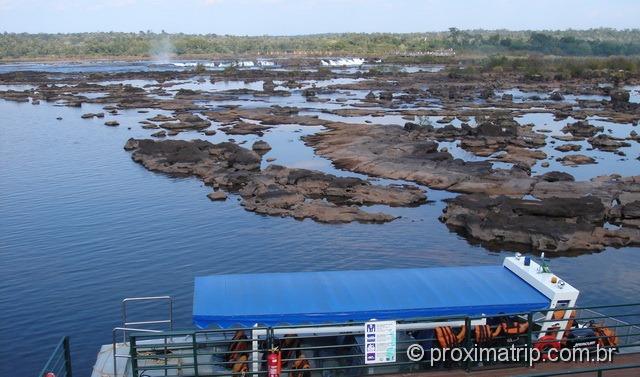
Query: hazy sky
[287,17]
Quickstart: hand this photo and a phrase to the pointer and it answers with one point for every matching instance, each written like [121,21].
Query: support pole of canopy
[254,348]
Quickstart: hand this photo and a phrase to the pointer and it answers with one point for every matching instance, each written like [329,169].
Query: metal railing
[128,325]
[59,363]
[632,331]
[114,345]
[337,349]
[599,372]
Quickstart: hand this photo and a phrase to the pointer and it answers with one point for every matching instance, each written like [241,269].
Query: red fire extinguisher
[274,361]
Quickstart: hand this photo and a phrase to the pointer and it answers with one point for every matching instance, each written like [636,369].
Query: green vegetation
[562,68]
[594,42]
[199,68]
[544,68]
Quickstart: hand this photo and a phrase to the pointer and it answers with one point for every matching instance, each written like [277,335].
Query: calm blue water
[82,226]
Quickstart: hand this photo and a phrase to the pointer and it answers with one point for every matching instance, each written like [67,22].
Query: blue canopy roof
[341,296]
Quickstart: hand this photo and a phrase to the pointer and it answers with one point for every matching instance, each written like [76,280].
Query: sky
[294,17]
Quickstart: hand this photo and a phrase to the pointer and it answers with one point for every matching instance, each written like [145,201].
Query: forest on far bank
[592,42]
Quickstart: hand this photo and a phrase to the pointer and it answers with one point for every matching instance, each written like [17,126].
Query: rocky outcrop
[186,121]
[244,128]
[392,152]
[626,215]
[159,134]
[261,146]
[386,96]
[620,99]
[568,147]
[582,129]
[556,96]
[607,143]
[303,193]
[311,92]
[556,176]
[493,133]
[92,115]
[162,118]
[576,159]
[277,190]
[523,157]
[217,196]
[544,224]
[551,224]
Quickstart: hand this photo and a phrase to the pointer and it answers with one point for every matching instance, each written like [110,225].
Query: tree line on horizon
[592,42]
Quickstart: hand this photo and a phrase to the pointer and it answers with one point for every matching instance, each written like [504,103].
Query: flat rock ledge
[551,224]
[276,190]
[492,209]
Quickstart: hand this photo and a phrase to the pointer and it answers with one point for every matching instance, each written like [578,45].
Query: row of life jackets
[238,353]
[483,334]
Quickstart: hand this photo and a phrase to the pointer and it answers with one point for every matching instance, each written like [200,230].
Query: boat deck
[619,360]
[104,367]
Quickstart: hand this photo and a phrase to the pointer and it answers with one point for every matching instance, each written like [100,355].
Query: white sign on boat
[380,342]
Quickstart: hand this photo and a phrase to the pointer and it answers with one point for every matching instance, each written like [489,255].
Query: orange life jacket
[606,336]
[484,335]
[516,328]
[447,338]
[545,343]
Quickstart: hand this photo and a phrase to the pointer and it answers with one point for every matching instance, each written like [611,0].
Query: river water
[82,226]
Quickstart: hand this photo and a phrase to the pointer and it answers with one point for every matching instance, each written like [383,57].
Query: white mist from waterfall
[162,50]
